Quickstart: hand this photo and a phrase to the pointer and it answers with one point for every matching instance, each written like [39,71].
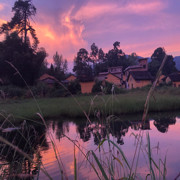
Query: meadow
[164,99]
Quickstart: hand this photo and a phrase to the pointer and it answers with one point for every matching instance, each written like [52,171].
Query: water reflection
[34,141]
[27,138]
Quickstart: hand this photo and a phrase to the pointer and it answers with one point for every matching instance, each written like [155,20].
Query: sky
[140,26]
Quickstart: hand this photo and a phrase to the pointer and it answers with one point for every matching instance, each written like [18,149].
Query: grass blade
[100,166]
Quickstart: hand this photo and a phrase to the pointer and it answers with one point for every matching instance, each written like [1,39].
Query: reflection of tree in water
[100,131]
[62,127]
[116,128]
[84,131]
[162,124]
[29,139]
[137,125]
[119,129]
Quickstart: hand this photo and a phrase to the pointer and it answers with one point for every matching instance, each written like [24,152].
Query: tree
[116,45]
[116,57]
[82,66]
[156,60]
[101,54]
[20,22]
[60,66]
[25,59]
[94,51]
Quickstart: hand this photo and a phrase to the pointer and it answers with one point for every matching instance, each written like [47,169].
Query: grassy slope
[132,102]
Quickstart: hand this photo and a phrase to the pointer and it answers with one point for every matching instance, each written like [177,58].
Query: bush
[74,87]
[13,91]
[97,87]
[106,88]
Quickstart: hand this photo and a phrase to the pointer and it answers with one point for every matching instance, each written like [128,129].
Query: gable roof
[141,75]
[103,76]
[47,76]
[175,77]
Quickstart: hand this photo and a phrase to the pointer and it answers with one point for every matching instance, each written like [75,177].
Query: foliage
[157,58]
[20,22]
[59,68]
[13,91]
[74,87]
[97,87]
[25,59]
[106,88]
[82,66]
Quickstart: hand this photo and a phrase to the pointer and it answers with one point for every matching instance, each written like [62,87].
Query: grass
[129,103]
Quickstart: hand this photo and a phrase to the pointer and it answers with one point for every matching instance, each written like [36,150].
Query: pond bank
[129,103]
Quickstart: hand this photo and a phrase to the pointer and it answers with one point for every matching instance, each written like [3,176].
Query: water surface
[164,134]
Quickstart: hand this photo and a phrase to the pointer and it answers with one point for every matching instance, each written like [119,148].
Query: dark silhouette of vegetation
[26,60]
[20,22]
[59,67]
[157,57]
[82,66]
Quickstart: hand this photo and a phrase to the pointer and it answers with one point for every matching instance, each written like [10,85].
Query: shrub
[106,88]
[13,91]
[74,87]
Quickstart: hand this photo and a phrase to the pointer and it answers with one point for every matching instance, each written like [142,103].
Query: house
[114,76]
[86,87]
[142,66]
[174,78]
[47,79]
[138,79]
[72,77]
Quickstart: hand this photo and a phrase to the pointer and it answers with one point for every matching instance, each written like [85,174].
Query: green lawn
[128,103]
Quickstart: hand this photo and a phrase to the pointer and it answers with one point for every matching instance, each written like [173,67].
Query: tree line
[88,65]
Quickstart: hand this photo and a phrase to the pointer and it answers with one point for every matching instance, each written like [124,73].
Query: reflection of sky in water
[169,144]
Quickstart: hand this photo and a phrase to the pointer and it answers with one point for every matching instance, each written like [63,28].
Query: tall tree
[20,22]
[60,66]
[156,60]
[94,51]
[82,66]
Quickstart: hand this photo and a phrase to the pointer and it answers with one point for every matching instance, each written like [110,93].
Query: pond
[36,141]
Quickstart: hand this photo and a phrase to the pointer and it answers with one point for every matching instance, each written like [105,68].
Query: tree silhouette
[20,22]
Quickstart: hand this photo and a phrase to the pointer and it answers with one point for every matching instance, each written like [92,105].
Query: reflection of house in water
[162,124]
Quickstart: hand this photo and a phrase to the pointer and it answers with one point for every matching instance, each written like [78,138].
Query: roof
[141,75]
[103,76]
[47,76]
[133,67]
[175,77]
[70,75]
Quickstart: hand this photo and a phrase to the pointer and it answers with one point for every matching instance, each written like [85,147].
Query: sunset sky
[141,26]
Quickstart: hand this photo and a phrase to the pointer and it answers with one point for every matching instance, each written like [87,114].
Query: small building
[174,78]
[138,79]
[142,66]
[86,87]
[114,76]
[48,79]
[72,77]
